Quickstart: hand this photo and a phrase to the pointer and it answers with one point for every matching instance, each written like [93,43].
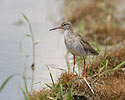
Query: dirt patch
[109,87]
[39,95]
[107,84]
[80,90]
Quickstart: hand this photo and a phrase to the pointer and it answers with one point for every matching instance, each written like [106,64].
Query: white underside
[74,46]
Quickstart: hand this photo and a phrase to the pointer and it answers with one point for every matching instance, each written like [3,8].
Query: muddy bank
[107,84]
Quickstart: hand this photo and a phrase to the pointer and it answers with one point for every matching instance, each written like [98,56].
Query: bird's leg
[84,69]
[73,68]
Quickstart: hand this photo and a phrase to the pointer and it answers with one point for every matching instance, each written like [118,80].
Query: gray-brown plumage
[75,43]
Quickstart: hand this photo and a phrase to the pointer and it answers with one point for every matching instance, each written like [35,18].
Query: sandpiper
[76,44]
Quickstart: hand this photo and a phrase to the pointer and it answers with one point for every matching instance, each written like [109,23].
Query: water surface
[43,14]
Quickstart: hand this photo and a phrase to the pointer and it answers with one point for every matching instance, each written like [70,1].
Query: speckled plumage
[76,44]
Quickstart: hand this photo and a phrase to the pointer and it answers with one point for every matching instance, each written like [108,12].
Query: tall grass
[27,93]
[56,90]
[51,76]
[33,48]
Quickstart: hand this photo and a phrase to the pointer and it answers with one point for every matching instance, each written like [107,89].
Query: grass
[73,89]
[69,93]
[33,47]
[55,92]
[116,68]
[27,93]
[51,76]
[96,17]
[6,81]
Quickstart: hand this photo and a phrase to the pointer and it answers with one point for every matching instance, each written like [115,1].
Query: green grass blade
[25,18]
[69,94]
[118,66]
[105,64]
[51,77]
[27,94]
[24,94]
[106,44]
[6,81]
[60,91]
[48,85]
[27,35]
[30,27]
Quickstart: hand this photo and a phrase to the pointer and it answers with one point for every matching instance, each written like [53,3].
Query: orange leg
[73,68]
[84,69]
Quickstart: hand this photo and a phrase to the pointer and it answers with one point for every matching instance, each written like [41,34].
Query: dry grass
[97,17]
[113,35]
[39,95]
[90,9]
[106,86]
[111,87]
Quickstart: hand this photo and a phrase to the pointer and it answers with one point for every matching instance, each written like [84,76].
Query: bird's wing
[88,48]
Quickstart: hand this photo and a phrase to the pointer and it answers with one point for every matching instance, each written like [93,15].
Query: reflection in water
[50,50]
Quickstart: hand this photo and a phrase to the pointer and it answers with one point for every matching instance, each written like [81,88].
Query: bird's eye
[64,24]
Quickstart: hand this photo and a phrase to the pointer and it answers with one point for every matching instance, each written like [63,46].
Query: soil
[109,87]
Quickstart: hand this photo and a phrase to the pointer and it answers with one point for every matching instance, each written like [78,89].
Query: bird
[76,44]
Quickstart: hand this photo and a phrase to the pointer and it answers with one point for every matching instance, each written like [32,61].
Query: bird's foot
[72,76]
[82,77]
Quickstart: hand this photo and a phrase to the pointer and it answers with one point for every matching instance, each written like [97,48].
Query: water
[43,14]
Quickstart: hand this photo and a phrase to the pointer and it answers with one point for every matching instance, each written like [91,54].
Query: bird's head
[64,26]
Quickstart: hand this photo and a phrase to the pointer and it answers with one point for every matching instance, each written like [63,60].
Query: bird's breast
[74,46]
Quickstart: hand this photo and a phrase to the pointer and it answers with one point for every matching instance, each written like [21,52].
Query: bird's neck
[69,30]
[68,33]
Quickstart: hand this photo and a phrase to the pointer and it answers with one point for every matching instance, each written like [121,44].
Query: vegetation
[33,47]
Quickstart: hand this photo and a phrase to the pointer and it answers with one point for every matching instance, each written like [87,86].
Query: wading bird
[76,44]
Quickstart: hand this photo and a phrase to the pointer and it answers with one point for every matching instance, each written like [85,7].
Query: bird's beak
[56,28]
